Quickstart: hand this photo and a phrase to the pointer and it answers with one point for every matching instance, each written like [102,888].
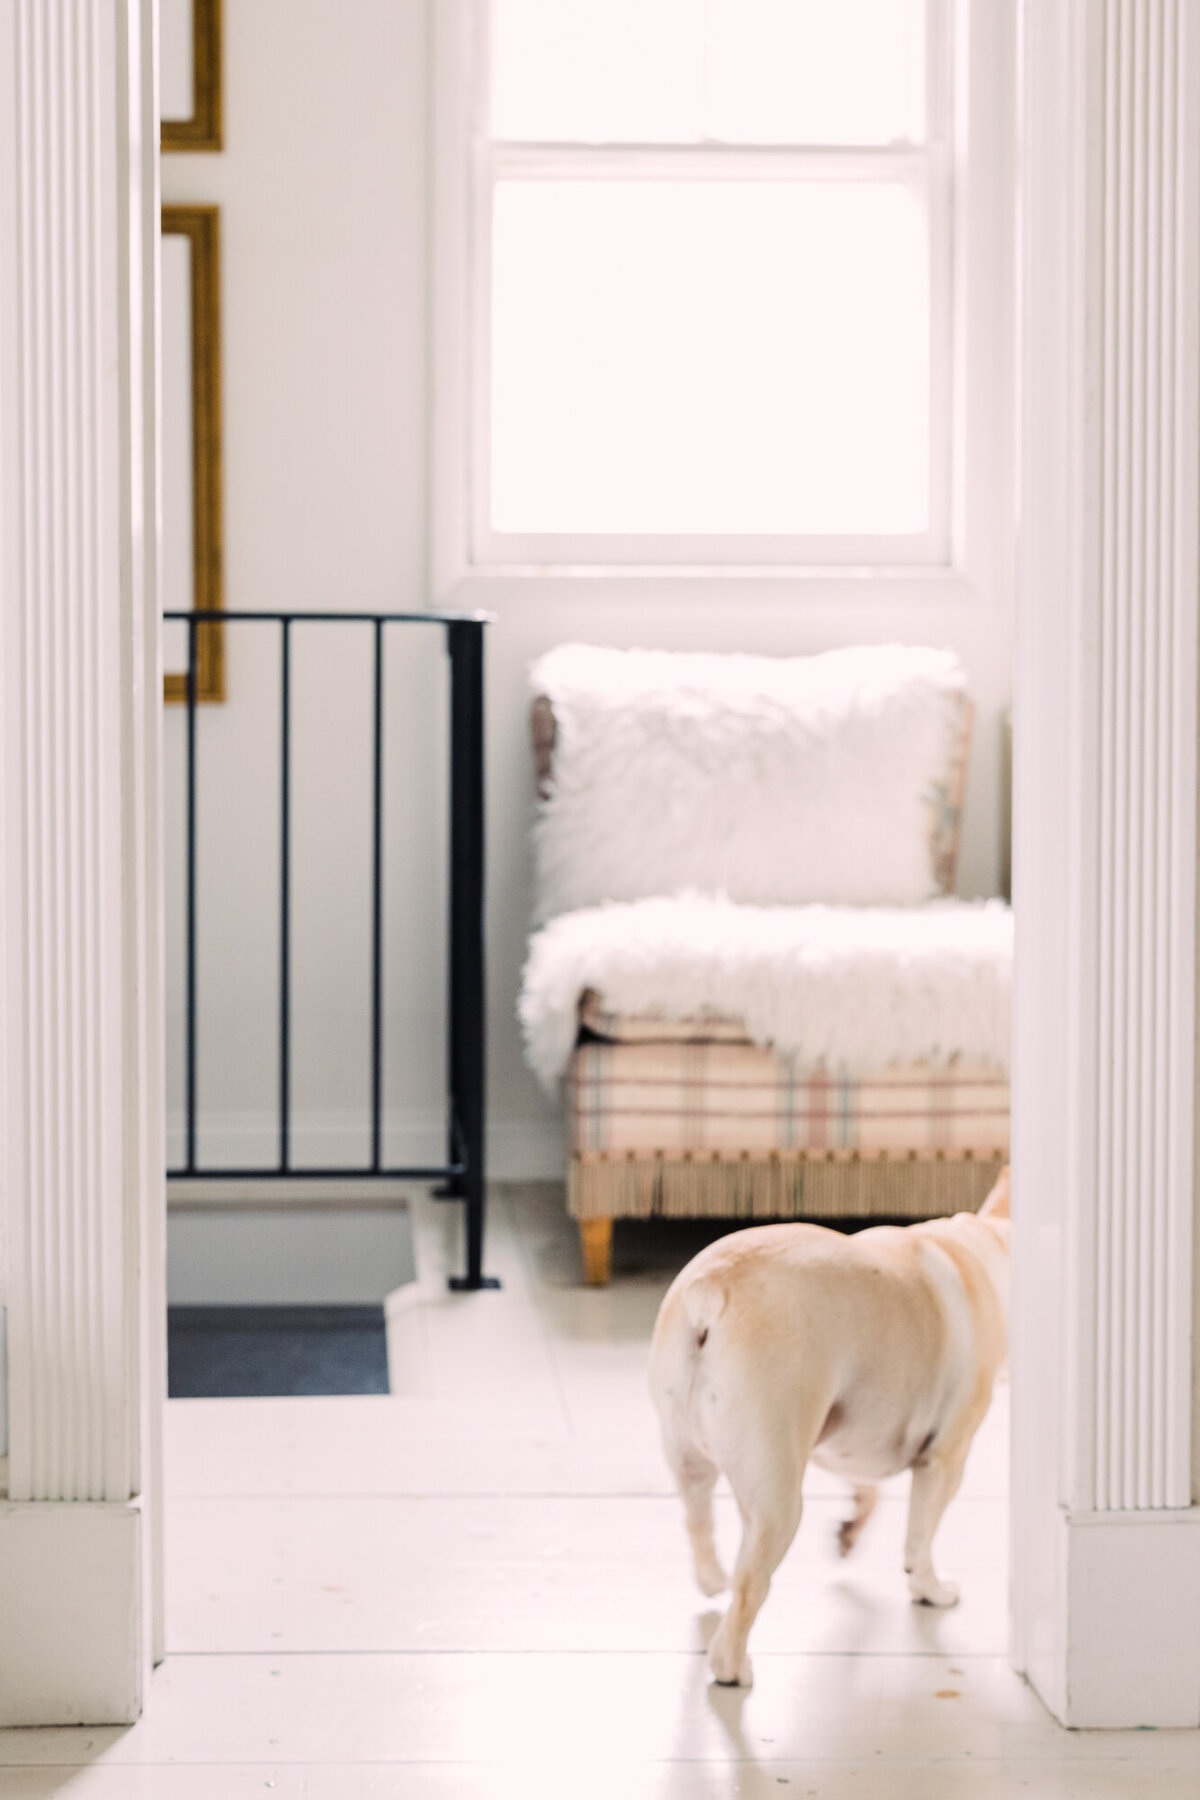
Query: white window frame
[969,168]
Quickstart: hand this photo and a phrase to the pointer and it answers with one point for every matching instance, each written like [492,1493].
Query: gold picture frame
[203,131]
[200,225]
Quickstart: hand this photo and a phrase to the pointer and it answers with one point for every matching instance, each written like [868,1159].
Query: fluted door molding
[69,1344]
[1105,861]
[1146,765]
[80,934]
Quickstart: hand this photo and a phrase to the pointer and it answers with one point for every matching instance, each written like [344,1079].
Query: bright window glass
[686,71]
[709,357]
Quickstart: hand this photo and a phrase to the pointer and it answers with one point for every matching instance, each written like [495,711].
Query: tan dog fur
[867,1354]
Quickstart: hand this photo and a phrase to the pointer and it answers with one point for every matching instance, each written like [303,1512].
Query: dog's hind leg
[674,1367]
[696,1477]
[770,1501]
[850,1530]
[935,1480]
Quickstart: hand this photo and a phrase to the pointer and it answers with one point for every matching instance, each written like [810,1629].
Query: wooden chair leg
[595,1235]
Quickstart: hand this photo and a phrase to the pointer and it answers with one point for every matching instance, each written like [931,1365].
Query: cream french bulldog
[868,1354]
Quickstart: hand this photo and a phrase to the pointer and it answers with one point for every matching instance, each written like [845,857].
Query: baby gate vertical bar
[377,916]
[190,904]
[285,882]
[468,1021]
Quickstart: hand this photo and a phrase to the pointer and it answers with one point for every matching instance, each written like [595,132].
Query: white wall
[322,197]
[322,190]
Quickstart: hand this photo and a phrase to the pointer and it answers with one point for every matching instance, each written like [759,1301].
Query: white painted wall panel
[176,72]
[322,196]
[318,1255]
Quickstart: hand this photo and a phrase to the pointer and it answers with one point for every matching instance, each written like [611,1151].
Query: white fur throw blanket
[851,988]
[772,779]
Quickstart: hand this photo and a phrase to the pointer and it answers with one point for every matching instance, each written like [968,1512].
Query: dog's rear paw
[727,1667]
[851,1529]
[927,1590]
[710,1576]
[848,1533]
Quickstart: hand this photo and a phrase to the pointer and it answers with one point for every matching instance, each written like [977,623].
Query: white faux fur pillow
[774,780]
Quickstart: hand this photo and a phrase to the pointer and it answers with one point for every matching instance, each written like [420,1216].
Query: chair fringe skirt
[778,1187]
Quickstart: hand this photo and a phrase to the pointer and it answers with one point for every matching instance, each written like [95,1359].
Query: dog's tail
[996,1206]
[692,1307]
[685,1319]
[704,1301]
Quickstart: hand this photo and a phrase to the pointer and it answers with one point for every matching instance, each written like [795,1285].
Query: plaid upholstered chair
[749,981]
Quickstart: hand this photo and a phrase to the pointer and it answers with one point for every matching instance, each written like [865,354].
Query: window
[714,284]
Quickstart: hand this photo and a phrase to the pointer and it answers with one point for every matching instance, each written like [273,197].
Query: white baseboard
[518,1149]
[71,1643]
[1121,1643]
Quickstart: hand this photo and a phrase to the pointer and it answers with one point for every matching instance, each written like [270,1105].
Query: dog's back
[852,1344]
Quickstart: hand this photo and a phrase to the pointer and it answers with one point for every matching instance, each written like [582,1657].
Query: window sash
[966,399]
[924,172]
[938,86]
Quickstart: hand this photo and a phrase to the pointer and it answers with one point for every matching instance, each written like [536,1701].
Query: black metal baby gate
[462,1174]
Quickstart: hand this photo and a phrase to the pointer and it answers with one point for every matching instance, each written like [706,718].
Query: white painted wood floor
[480,1586]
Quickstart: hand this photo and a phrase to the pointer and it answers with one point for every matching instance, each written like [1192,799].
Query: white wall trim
[1139,1453]
[70,1650]
[143,715]
[1140,1573]
[70,1428]
[78,652]
[1105,850]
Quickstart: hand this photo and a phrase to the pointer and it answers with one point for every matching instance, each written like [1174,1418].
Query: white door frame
[1106,1538]
[1107,1570]
[80,950]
